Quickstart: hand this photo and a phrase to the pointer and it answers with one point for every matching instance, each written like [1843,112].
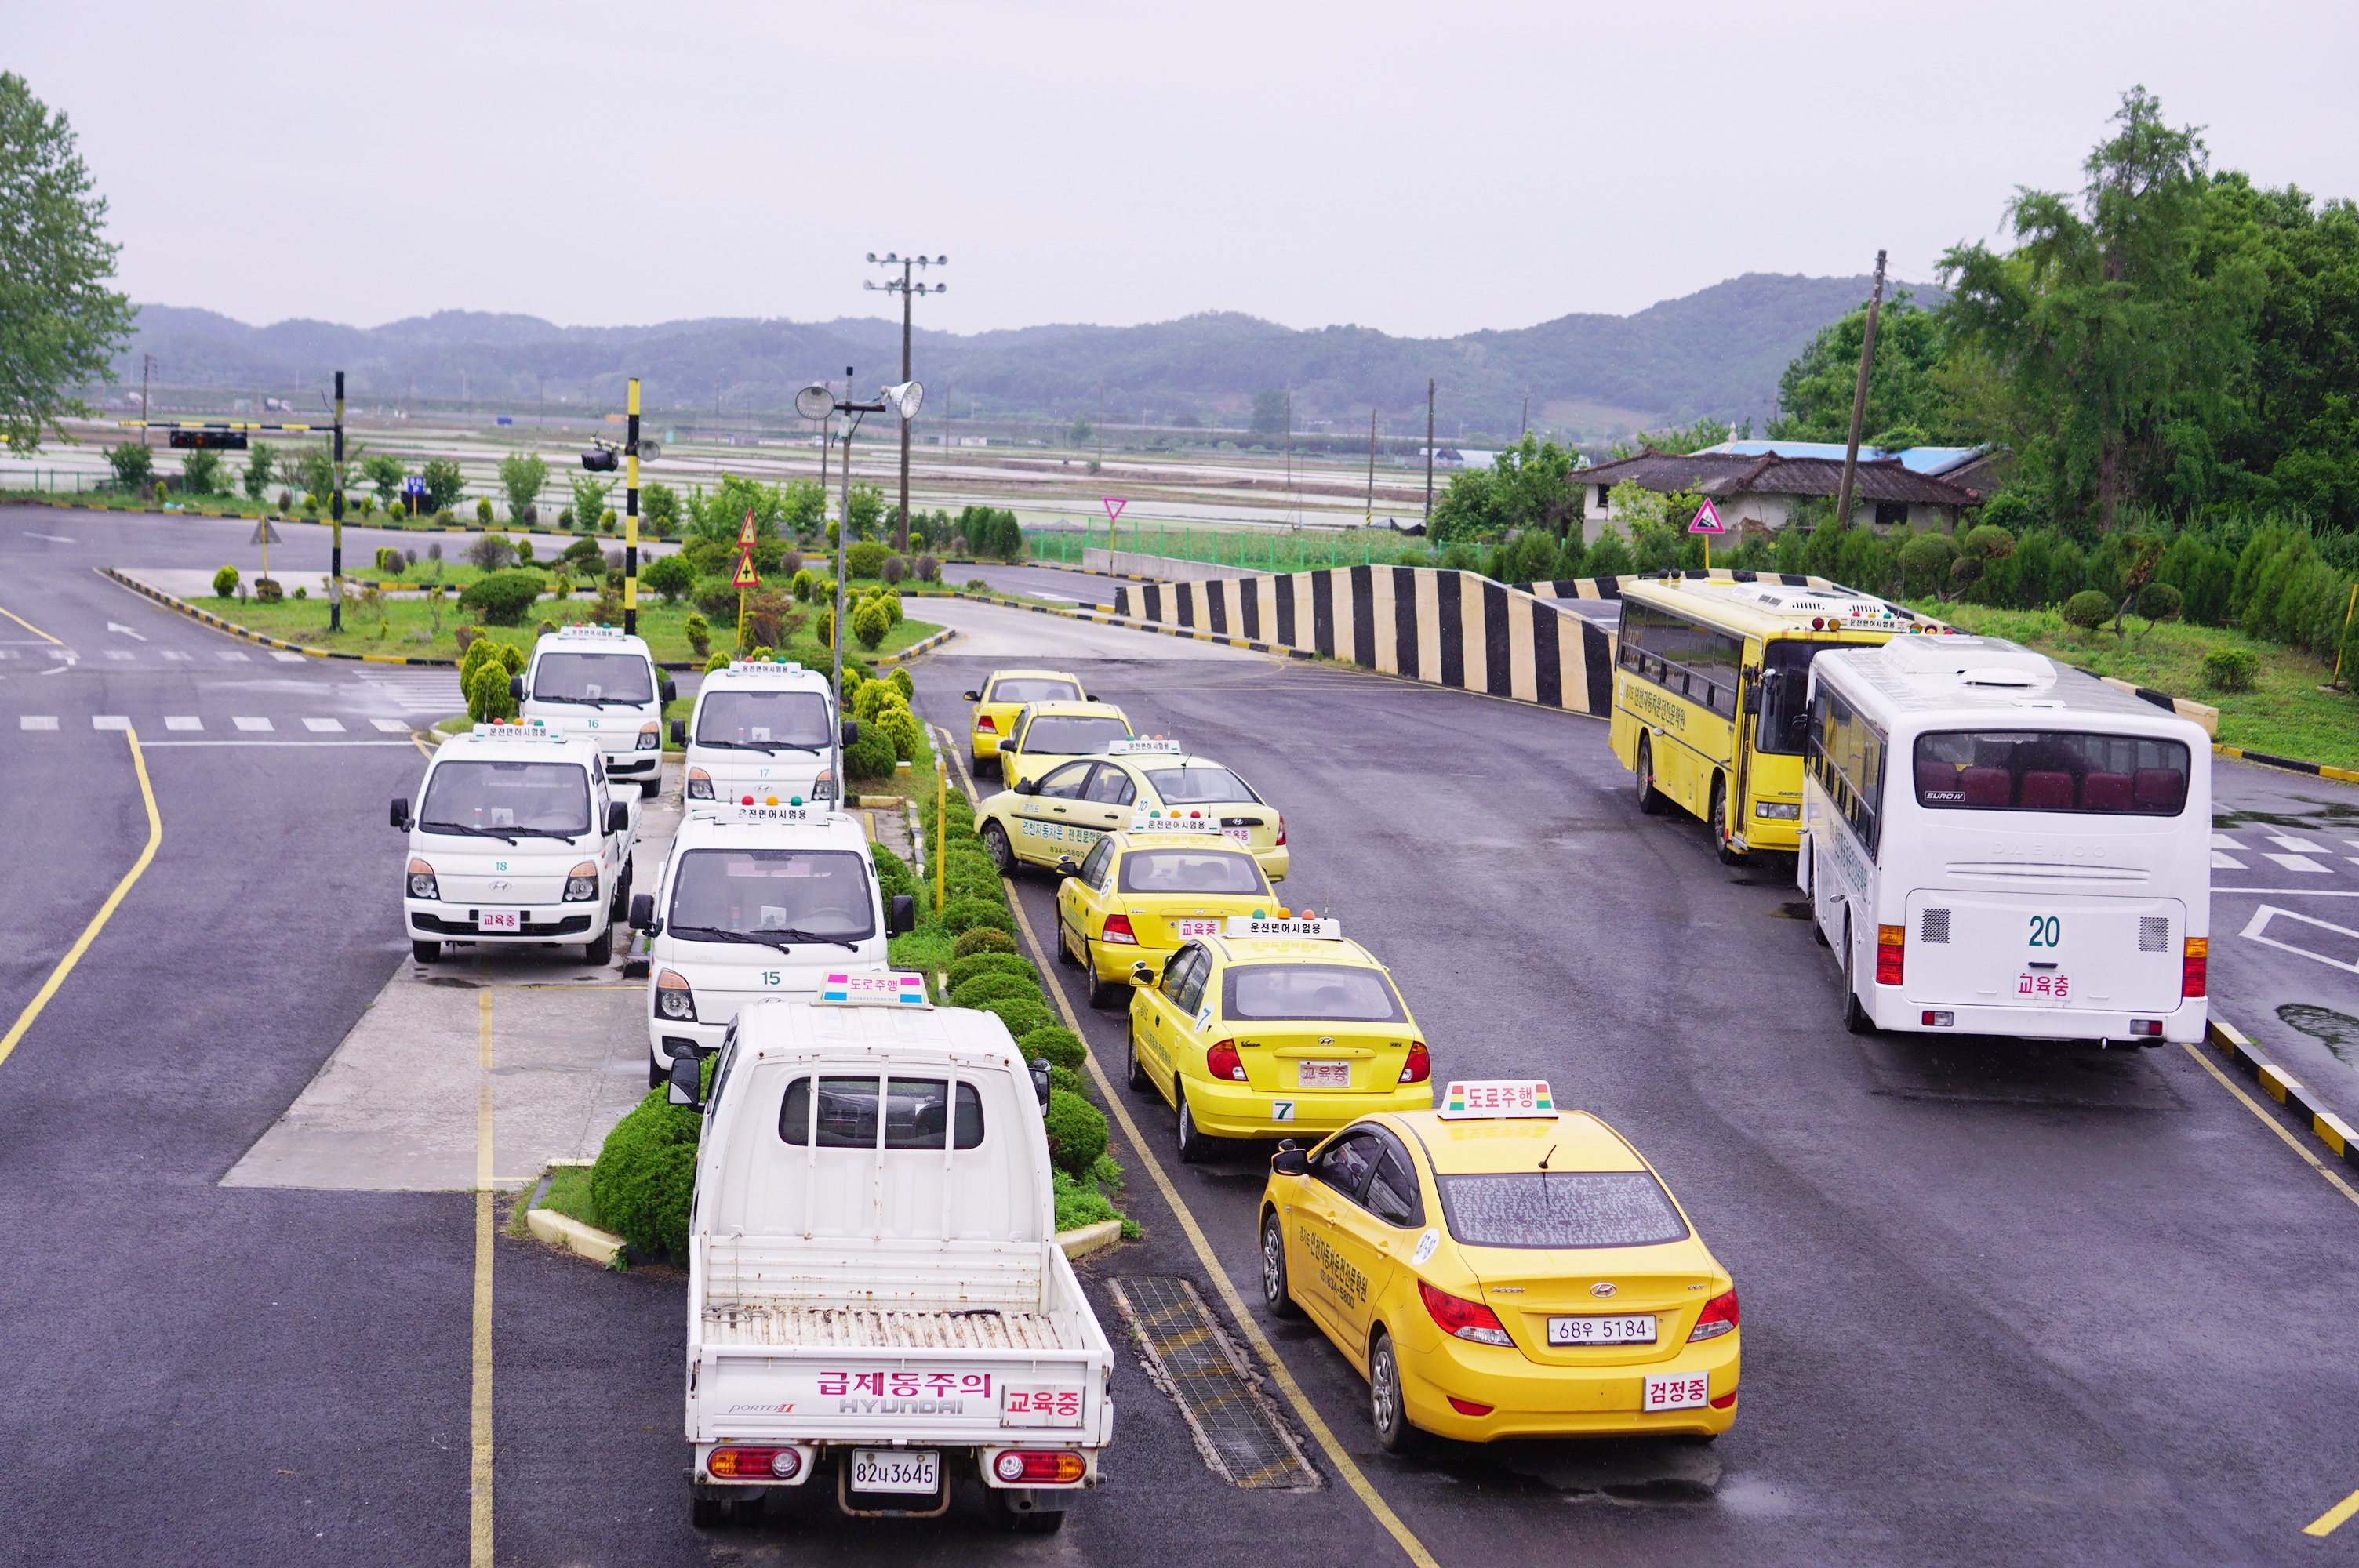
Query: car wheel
[1065,946]
[1728,857]
[1650,799]
[425,952]
[656,1077]
[1855,1017]
[1191,1142]
[1275,1294]
[600,950]
[995,842]
[1385,1411]
[1135,1071]
[1104,994]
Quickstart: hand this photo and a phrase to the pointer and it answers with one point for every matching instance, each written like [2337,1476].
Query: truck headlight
[824,787]
[581,882]
[421,880]
[650,737]
[700,784]
[673,998]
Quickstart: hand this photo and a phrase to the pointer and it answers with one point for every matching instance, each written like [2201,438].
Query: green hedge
[1061,1045]
[1022,1014]
[964,970]
[965,914]
[992,988]
[893,875]
[645,1174]
[1077,1132]
[983,940]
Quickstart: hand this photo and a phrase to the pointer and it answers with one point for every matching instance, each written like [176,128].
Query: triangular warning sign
[746,576]
[263,534]
[1707,520]
[746,535]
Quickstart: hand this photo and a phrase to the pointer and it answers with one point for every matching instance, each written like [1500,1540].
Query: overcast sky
[1425,169]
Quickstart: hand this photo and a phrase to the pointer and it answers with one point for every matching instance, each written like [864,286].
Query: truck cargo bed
[851,1328]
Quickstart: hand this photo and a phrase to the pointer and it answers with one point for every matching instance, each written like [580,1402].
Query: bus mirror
[1752,694]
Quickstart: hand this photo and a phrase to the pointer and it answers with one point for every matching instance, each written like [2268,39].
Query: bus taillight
[1889,952]
[2193,968]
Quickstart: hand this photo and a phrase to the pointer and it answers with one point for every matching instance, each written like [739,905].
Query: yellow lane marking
[2333,1519]
[2270,1123]
[1303,1409]
[106,910]
[479,1485]
[29,626]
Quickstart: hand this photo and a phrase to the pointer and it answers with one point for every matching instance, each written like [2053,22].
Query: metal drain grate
[1238,1433]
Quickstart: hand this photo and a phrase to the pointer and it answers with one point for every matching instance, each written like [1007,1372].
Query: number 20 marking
[2047,931]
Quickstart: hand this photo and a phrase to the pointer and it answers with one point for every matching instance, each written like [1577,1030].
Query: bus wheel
[1728,857]
[1855,1017]
[1650,800]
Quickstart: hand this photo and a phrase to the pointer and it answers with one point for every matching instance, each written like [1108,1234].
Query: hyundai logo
[501,887]
[1603,1288]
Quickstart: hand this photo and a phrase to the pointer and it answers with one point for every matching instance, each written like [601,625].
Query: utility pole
[1371,519]
[146,408]
[1859,396]
[1290,456]
[810,405]
[1429,449]
[336,520]
[631,517]
[1528,415]
[1100,431]
[826,443]
[906,290]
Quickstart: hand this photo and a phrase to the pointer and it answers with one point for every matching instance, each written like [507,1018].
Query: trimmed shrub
[1065,1080]
[2231,669]
[990,988]
[502,597]
[962,971]
[900,727]
[965,914]
[1077,1136]
[873,622]
[893,875]
[984,939]
[225,583]
[864,559]
[1061,1045]
[717,662]
[872,756]
[869,697]
[484,512]
[1022,1014]
[2087,610]
[900,680]
[646,1175]
[2159,602]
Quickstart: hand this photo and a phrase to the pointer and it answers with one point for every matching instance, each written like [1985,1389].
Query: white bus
[1995,845]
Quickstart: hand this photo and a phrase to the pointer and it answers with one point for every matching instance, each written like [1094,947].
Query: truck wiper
[589,701]
[507,837]
[553,832]
[715,934]
[769,748]
[793,936]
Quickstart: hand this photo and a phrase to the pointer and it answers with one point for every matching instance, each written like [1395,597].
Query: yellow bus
[1710,696]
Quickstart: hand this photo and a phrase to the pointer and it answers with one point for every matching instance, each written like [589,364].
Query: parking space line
[2271,1122]
[479,1469]
[2333,1519]
[106,910]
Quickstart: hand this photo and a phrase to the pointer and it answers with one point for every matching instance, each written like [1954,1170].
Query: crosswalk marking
[121,653]
[178,656]
[38,722]
[2226,862]
[324,726]
[391,726]
[2297,864]
[285,657]
[188,722]
[110,721]
[232,654]
[2286,841]
[251,723]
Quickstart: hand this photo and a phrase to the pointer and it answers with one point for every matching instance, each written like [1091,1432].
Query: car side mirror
[1040,1079]
[687,1081]
[901,915]
[851,733]
[401,813]
[971,696]
[669,691]
[642,911]
[1027,786]
[618,817]
[1290,1160]
[516,688]
[1065,867]
[1141,974]
[679,732]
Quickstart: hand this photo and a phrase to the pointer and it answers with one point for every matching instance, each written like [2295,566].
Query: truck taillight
[753,1463]
[1117,929]
[2193,969]
[1420,1066]
[1889,952]
[1223,1061]
[1055,1466]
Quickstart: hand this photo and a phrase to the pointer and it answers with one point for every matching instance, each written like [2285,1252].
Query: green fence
[1271,551]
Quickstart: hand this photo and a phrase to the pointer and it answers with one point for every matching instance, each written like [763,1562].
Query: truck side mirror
[1140,974]
[516,688]
[670,690]
[401,813]
[1027,786]
[687,1081]
[851,733]
[1065,867]
[971,696]
[901,915]
[618,817]
[1289,1160]
[642,911]
[679,732]
[1040,1079]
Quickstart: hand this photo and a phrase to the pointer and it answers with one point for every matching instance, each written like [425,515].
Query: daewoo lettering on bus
[1708,703]
[1997,845]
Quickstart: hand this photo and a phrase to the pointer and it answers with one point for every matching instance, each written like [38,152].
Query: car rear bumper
[1274,862]
[983,745]
[1240,1110]
[1529,1399]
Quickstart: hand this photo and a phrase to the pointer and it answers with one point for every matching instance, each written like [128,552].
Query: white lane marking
[2229,862]
[232,654]
[315,745]
[110,721]
[7,653]
[118,626]
[252,723]
[53,538]
[120,654]
[2299,846]
[2259,923]
[36,721]
[2297,864]
[324,726]
[285,657]
[182,722]
[391,726]
[58,669]
[177,655]
[2222,841]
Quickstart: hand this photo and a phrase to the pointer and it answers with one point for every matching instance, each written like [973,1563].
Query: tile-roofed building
[1761,486]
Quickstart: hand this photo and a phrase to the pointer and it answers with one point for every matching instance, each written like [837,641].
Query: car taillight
[700,784]
[983,722]
[1117,929]
[581,882]
[747,1464]
[1281,828]
[1223,1061]
[1463,1319]
[1889,952]
[673,998]
[2194,967]
[421,880]
[1719,1317]
[1051,1465]
[1420,1066]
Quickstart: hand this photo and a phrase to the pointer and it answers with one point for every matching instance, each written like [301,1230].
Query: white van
[762,730]
[516,842]
[599,682]
[1993,844]
[756,901]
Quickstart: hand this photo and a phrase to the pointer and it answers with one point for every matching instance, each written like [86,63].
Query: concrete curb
[559,1231]
[2321,770]
[2281,1086]
[234,630]
[1089,1239]
[1104,618]
[914,649]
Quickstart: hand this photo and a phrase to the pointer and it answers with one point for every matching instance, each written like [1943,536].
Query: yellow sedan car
[998,699]
[1070,806]
[1278,1024]
[1496,1268]
[1140,892]
[1043,734]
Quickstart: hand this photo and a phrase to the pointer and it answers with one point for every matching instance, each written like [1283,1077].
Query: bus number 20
[2047,931]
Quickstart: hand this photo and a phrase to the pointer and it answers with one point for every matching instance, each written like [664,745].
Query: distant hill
[1717,351]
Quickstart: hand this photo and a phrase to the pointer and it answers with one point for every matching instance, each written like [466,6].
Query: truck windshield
[544,797]
[1072,735]
[2046,770]
[916,1113]
[1191,871]
[797,718]
[1187,786]
[1321,991]
[1785,696]
[592,679]
[1574,1208]
[822,893]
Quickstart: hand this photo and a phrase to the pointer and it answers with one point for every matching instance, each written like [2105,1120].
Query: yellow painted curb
[1089,1239]
[559,1230]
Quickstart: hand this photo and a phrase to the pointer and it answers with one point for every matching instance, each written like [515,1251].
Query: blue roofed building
[1759,485]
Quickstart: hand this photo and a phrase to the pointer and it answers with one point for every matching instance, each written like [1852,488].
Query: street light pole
[335,521]
[905,289]
[816,402]
[631,515]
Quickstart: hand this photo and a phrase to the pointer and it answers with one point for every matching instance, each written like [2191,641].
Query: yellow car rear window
[1033,689]
[1309,991]
[1575,1209]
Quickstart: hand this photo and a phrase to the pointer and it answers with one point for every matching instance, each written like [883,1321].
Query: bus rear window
[2049,769]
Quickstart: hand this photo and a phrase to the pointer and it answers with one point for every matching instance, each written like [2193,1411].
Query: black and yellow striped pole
[631,515]
[336,520]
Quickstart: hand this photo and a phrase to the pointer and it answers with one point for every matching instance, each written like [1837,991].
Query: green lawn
[2286,714]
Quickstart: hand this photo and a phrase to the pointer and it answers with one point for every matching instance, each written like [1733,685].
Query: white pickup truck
[876,1299]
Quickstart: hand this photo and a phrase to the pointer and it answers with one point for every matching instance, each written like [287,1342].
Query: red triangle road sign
[1707,520]
[746,535]
[746,576]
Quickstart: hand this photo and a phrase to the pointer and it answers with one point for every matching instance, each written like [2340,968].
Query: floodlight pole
[906,290]
[335,521]
[842,534]
[631,514]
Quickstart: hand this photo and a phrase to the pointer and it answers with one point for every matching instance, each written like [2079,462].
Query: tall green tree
[60,324]
[1269,413]
[1904,391]
[523,476]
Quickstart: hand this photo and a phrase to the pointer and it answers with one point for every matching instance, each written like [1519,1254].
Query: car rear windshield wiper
[507,836]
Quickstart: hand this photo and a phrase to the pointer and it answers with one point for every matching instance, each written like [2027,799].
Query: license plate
[1195,928]
[1325,1075]
[499,920]
[1242,835]
[896,1470]
[1634,1330]
[1687,1391]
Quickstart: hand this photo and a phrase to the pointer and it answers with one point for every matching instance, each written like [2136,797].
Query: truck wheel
[1192,1142]
[1728,857]
[1030,1521]
[1135,1072]
[706,1513]
[1275,1294]
[1650,799]
[1387,1412]
[995,840]
[650,788]
[599,950]
[425,952]
[1855,1017]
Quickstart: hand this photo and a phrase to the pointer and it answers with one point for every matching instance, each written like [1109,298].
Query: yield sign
[746,535]
[1706,519]
[746,577]
[1114,505]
